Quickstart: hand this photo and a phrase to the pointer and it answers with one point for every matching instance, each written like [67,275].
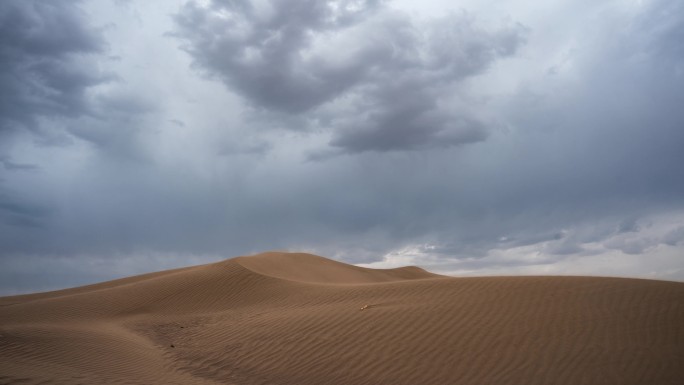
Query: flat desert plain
[292,318]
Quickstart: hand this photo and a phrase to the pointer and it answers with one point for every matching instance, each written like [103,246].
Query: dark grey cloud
[629,225]
[117,123]
[48,70]
[17,212]
[55,89]
[674,237]
[260,49]
[23,222]
[591,151]
[41,71]
[631,246]
[458,143]
[375,78]
[10,165]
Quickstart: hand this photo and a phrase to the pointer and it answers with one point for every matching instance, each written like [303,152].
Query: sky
[469,137]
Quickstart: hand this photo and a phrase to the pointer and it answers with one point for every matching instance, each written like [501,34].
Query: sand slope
[279,318]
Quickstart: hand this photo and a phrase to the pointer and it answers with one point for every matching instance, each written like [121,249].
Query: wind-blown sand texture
[279,318]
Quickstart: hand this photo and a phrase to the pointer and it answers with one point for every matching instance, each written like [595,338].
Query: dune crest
[294,318]
[303,267]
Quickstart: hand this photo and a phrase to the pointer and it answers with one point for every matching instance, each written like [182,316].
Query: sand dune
[302,267]
[279,318]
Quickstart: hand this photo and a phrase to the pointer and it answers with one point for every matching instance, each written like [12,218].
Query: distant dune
[290,318]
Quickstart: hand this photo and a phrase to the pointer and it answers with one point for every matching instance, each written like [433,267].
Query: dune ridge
[294,318]
[302,267]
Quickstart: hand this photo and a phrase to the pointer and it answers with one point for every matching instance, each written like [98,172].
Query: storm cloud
[43,74]
[497,138]
[377,79]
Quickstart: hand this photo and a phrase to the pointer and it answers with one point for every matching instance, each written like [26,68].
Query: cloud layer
[375,78]
[44,70]
[139,136]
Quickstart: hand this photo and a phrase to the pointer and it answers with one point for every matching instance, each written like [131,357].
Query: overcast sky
[468,137]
